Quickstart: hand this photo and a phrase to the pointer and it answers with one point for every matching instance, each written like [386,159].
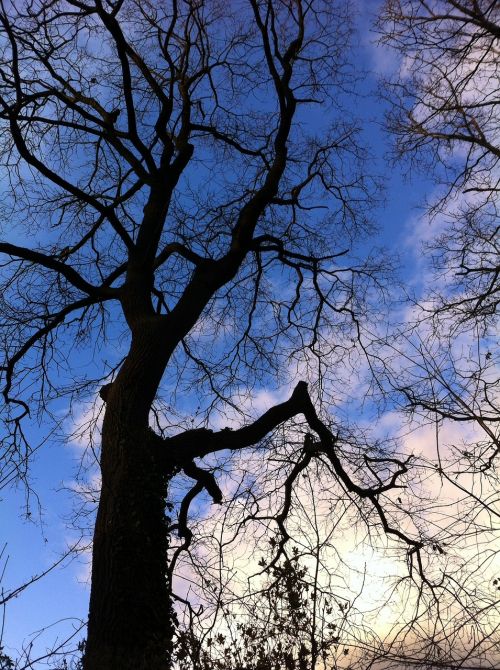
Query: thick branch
[201,442]
[183,448]
[51,263]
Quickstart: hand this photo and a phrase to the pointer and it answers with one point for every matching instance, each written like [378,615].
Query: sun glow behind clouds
[380,600]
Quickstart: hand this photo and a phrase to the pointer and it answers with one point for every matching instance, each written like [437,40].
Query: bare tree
[296,612]
[444,112]
[164,183]
[341,595]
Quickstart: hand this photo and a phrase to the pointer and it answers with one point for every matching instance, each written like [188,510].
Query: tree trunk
[130,615]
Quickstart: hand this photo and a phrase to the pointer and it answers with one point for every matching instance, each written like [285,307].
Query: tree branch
[51,263]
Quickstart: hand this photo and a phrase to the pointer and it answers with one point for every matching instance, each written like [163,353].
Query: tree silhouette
[444,112]
[185,188]
[163,183]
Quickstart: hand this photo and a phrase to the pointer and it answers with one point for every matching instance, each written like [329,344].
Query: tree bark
[130,613]
[131,623]
[130,616]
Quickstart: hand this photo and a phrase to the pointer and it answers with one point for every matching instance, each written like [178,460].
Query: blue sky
[34,543]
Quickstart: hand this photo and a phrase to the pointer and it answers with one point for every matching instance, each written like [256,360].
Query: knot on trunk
[104,391]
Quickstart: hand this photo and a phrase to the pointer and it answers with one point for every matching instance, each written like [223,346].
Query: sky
[34,542]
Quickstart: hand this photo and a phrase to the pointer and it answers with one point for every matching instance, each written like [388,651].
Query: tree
[6,663]
[163,181]
[297,613]
[444,112]
[278,631]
